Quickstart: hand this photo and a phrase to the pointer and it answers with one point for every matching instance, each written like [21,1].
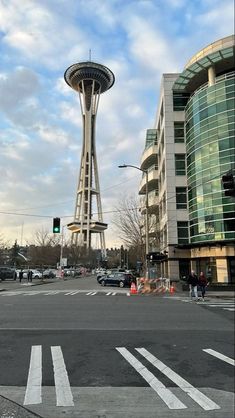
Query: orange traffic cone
[133,289]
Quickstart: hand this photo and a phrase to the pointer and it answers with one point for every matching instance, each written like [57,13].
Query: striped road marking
[220,356]
[89,293]
[194,393]
[94,293]
[221,305]
[165,394]
[63,391]
[33,394]
[107,294]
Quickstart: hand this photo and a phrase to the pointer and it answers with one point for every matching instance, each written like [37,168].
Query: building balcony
[153,202]
[152,182]
[149,157]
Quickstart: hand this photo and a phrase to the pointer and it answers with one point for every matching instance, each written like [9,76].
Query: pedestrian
[20,275]
[30,276]
[193,283]
[202,281]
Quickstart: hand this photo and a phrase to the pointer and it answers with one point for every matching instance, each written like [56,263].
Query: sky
[40,116]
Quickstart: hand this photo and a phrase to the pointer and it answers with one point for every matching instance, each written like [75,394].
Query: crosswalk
[31,293]
[226,304]
[138,358]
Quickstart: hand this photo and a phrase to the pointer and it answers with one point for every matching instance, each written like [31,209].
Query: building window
[180,164]
[181,197]
[151,138]
[179,132]
[180,100]
[182,229]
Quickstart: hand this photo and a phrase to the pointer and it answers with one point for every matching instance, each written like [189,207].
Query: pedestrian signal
[56,225]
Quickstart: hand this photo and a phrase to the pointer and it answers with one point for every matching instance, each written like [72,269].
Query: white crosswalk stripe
[165,394]
[63,293]
[227,305]
[64,395]
[219,356]
[202,400]
[33,393]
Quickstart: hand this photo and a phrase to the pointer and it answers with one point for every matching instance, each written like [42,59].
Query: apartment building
[191,146]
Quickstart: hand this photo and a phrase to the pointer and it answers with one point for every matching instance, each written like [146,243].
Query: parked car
[117,279]
[102,273]
[36,274]
[49,274]
[7,273]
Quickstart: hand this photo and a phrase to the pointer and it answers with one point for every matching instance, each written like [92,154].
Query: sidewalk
[15,285]
[223,294]
[10,409]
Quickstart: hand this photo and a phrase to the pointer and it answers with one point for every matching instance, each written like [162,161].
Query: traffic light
[56,225]
[228,184]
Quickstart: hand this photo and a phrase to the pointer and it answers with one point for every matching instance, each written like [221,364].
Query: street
[75,349]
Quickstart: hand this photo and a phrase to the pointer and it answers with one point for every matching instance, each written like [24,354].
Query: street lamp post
[61,247]
[146,214]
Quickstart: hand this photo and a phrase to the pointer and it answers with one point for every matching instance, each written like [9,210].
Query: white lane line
[64,395]
[69,293]
[107,294]
[93,293]
[75,293]
[219,355]
[113,294]
[229,309]
[88,294]
[194,393]
[33,394]
[165,394]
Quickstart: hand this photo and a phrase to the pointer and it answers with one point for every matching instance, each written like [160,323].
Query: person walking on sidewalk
[202,281]
[20,275]
[193,283]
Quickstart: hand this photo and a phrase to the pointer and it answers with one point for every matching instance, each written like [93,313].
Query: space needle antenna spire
[89,79]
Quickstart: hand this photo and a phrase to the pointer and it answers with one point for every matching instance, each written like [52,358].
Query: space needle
[89,79]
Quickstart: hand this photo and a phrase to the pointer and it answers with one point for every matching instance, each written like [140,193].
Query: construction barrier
[155,286]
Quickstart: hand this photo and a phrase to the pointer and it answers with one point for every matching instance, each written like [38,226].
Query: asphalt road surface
[75,349]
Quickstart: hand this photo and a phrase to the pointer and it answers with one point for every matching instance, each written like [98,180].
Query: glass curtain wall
[210,146]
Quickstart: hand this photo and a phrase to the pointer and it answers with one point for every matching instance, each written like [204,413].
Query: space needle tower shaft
[89,79]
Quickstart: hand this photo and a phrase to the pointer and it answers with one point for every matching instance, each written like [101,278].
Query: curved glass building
[196,123]
[210,147]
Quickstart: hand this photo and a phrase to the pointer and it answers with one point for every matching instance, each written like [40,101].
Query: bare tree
[129,224]
[128,221]
[44,248]
[43,238]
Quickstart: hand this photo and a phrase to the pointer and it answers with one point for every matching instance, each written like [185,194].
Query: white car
[36,274]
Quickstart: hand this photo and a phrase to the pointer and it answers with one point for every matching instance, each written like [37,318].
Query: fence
[156,286]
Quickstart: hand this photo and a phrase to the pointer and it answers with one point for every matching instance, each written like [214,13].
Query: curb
[12,409]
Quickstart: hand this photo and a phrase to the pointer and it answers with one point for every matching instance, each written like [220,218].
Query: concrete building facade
[195,146]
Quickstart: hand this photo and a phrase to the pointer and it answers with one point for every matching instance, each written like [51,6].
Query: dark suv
[117,279]
[7,273]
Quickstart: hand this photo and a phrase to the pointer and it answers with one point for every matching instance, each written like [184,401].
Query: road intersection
[74,349]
